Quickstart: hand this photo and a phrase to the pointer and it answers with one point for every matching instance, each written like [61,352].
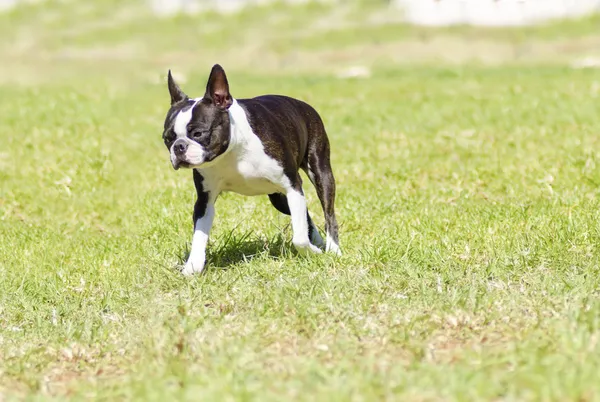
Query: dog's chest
[246,171]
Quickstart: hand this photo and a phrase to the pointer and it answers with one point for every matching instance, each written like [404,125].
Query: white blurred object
[7,4]
[587,62]
[420,12]
[493,12]
[173,7]
[354,72]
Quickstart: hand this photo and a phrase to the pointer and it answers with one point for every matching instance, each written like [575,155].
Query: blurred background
[428,12]
[48,40]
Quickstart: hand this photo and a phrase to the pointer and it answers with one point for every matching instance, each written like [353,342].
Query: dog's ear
[217,88]
[177,94]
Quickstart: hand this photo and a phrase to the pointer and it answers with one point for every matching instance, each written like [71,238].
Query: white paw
[332,247]
[335,251]
[193,267]
[304,247]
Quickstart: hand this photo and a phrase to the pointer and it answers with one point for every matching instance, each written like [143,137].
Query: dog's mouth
[180,164]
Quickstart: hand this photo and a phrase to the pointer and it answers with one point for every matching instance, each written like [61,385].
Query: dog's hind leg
[320,174]
[280,203]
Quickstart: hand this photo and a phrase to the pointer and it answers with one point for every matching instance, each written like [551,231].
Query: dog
[252,147]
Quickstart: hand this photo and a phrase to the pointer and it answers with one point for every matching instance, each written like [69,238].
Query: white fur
[194,155]
[297,204]
[195,262]
[183,119]
[245,168]
[332,246]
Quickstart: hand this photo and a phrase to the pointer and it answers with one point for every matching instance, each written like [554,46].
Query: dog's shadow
[230,249]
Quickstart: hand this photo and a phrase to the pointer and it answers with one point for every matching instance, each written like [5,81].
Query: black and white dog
[252,147]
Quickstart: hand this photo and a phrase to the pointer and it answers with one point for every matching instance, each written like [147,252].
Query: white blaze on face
[183,119]
[195,153]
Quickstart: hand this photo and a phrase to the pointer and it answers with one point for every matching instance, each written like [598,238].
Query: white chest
[246,168]
[246,171]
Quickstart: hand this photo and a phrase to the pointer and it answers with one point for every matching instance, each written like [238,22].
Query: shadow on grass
[231,249]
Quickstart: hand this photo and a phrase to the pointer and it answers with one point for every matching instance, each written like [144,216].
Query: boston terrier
[251,147]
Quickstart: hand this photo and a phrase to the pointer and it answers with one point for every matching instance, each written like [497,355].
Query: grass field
[468,203]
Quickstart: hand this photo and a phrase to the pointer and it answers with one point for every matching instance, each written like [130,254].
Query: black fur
[202,197]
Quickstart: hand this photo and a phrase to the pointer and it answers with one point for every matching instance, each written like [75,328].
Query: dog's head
[197,130]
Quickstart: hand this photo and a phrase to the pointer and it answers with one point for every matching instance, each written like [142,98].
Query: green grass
[468,210]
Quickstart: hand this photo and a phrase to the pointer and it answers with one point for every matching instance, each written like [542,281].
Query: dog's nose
[180,148]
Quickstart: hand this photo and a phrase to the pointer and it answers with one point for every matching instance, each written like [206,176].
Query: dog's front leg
[195,262]
[204,213]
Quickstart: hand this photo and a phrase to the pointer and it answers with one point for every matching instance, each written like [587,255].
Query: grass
[468,209]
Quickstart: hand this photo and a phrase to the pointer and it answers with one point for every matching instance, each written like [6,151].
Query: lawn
[468,204]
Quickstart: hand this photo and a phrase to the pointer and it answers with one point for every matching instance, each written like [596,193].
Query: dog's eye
[196,135]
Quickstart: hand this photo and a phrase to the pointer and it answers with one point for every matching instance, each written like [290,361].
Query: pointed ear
[217,88]
[177,94]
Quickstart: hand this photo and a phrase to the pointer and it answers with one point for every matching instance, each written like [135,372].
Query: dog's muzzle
[186,153]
